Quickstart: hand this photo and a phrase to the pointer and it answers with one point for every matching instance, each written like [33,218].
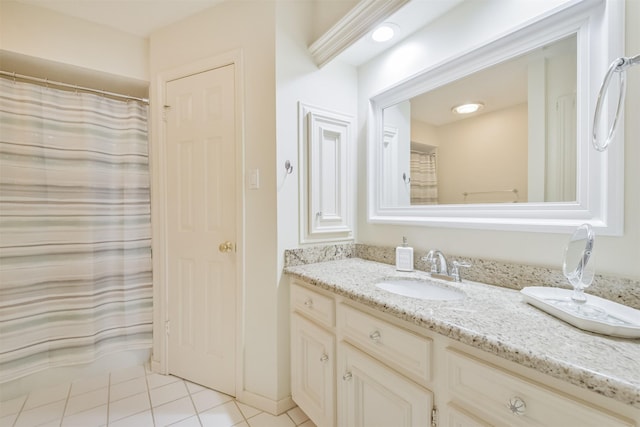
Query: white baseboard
[156,366]
[274,407]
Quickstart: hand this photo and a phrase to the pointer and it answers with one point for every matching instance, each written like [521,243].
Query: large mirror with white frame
[520,157]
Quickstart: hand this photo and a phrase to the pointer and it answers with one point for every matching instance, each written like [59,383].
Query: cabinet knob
[308,303]
[375,336]
[347,376]
[324,358]
[517,406]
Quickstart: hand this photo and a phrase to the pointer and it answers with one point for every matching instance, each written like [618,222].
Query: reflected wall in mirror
[519,147]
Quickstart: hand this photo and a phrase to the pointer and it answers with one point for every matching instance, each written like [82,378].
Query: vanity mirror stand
[578,268]
[587,312]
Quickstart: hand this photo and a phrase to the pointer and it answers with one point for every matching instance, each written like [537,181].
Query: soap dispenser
[404,257]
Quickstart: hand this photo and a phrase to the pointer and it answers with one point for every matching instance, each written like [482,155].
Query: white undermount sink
[421,289]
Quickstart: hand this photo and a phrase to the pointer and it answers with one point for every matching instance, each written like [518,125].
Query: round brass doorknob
[226,246]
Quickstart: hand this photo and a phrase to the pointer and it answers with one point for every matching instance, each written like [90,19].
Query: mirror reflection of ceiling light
[469,108]
[384,32]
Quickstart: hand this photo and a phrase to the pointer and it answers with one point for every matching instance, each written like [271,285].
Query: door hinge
[166,327]
[165,110]
[434,417]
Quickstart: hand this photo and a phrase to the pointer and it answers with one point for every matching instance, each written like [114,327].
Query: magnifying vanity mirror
[522,159]
[578,265]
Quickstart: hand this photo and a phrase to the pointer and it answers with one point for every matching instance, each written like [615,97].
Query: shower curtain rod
[76,87]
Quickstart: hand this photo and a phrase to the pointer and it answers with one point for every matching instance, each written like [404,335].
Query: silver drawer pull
[375,336]
[324,358]
[308,303]
[347,376]
[517,406]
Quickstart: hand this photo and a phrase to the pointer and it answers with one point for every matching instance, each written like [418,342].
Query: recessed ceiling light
[384,32]
[468,108]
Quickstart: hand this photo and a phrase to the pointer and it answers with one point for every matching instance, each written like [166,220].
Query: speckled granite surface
[313,254]
[507,275]
[530,337]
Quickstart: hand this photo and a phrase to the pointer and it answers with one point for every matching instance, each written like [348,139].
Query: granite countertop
[495,320]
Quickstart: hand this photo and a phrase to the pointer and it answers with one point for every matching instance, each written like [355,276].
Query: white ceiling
[137,17]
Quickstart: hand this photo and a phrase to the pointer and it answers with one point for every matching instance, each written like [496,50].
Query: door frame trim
[158,164]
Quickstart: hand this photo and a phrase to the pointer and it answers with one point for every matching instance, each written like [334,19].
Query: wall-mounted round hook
[288,167]
[405,178]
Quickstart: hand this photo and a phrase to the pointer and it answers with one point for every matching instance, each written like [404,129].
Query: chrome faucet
[438,262]
[440,266]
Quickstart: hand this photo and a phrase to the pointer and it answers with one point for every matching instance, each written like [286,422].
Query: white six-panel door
[201,228]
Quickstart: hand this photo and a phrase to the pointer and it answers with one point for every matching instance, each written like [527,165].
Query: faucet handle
[455,269]
[433,260]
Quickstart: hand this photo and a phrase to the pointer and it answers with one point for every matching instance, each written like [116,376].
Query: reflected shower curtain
[75,235]
[424,179]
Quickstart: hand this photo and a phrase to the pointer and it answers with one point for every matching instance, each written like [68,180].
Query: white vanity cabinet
[373,355]
[377,374]
[353,366]
[313,355]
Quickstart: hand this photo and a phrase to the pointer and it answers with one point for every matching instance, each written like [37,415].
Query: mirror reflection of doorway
[424,174]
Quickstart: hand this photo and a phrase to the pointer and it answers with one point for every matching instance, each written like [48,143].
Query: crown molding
[355,24]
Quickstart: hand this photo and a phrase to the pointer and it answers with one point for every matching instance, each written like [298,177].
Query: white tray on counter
[619,320]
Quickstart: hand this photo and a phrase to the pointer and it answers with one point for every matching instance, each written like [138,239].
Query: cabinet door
[313,370]
[372,395]
[326,143]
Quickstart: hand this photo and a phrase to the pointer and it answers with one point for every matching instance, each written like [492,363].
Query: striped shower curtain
[424,179]
[75,235]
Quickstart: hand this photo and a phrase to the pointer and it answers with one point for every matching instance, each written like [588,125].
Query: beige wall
[325,13]
[47,35]
[424,133]
[484,153]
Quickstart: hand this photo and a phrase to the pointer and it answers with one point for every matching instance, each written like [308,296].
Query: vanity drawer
[313,305]
[488,392]
[398,348]
[457,417]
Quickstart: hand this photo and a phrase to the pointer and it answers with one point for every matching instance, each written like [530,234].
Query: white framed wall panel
[326,142]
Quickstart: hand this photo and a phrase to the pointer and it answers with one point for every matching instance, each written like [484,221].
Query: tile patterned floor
[135,397]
